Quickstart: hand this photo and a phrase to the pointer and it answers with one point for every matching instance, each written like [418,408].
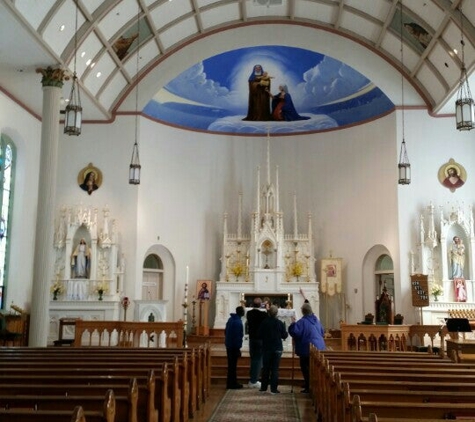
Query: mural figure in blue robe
[283,107]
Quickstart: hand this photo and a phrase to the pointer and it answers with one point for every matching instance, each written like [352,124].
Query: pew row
[395,411]
[106,414]
[194,362]
[331,376]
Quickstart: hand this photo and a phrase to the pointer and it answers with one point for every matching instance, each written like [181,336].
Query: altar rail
[392,338]
[128,334]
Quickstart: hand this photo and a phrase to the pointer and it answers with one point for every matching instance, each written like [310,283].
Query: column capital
[53,77]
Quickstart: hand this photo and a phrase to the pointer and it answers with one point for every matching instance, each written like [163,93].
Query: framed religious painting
[460,287]
[90,179]
[452,175]
[204,289]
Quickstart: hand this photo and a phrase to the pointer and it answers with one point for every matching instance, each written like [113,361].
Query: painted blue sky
[213,94]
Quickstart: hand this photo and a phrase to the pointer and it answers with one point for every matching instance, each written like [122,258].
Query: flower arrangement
[436,290]
[57,288]
[101,288]
[238,269]
[297,269]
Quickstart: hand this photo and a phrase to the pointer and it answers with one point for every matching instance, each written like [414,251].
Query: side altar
[267,261]
[88,269]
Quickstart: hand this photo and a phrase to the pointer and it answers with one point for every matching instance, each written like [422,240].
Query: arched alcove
[159,260]
[376,256]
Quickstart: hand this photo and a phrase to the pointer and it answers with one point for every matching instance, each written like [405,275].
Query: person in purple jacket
[307,330]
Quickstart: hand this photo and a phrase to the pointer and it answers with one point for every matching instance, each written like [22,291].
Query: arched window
[152,284]
[7,161]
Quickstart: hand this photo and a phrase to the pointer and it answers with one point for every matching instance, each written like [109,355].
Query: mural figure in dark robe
[259,87]
[283,107]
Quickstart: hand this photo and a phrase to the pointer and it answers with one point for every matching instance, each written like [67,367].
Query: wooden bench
[423,411]
[107,414]
[189,385]
[195,364]
[330,375]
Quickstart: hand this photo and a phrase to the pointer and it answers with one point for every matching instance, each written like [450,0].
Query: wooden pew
[199,362]
[331,382]
[184,367]
[107,414]
[167,390]
[423,411]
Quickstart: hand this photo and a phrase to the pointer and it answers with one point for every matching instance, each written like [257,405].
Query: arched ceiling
[176,34]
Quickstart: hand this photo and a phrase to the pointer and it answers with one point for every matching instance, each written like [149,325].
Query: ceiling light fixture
[73,111]
[134,168]
[404,167]
[464,106]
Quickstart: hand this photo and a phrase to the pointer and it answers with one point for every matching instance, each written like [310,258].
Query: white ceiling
[176,34]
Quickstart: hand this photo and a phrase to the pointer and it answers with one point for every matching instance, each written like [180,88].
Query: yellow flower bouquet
[57,288]
[238,269]
[297,269]
[100,289]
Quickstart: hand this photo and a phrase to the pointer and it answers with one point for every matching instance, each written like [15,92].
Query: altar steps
[219,369]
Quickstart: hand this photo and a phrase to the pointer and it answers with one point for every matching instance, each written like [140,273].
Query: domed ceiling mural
[304,92]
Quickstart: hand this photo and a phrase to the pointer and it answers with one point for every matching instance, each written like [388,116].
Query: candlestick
[186,284]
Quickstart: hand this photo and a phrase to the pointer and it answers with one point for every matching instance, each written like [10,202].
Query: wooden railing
[128,334]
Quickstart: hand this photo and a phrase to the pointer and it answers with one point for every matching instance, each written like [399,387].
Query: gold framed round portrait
[90,179]
[452,175]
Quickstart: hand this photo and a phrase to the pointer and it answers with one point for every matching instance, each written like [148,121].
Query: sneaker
[275,392]
[254,385]
[262,390]
[305,391]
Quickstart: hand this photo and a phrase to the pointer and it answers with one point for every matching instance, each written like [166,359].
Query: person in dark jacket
[254,319]
[307,330]
[233,334]
[272,331]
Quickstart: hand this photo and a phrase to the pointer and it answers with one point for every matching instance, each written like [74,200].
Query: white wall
[347,179]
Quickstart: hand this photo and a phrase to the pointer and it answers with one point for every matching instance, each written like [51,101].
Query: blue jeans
[255,352]
[270,369]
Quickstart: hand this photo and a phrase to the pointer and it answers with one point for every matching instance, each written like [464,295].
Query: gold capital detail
[53,77]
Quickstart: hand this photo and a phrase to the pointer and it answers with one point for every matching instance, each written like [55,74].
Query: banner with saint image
[331,279]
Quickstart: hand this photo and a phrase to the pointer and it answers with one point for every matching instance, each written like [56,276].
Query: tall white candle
[186,283]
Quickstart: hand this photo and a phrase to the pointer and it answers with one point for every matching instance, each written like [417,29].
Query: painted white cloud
[327,82]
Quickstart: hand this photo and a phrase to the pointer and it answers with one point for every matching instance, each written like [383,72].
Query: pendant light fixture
[73,111]
[404,167]
[464,106]
[134,168]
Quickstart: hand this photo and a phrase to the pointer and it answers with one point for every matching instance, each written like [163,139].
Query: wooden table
[374,337]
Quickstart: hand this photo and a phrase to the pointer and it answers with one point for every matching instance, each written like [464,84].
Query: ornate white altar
[79,293]
[432,256]
[267,260]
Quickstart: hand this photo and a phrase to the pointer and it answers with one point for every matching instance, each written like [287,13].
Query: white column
[43,266]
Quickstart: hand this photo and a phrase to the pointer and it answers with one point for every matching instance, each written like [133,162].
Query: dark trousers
[233,356]
[255,353]
[305,368]
[270,369]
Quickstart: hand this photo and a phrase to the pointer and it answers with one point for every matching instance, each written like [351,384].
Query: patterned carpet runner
[250,405]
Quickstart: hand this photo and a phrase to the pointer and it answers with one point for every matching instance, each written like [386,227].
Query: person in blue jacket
[233,334]
[307,330]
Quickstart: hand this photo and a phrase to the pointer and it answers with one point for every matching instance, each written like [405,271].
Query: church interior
[169,161]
